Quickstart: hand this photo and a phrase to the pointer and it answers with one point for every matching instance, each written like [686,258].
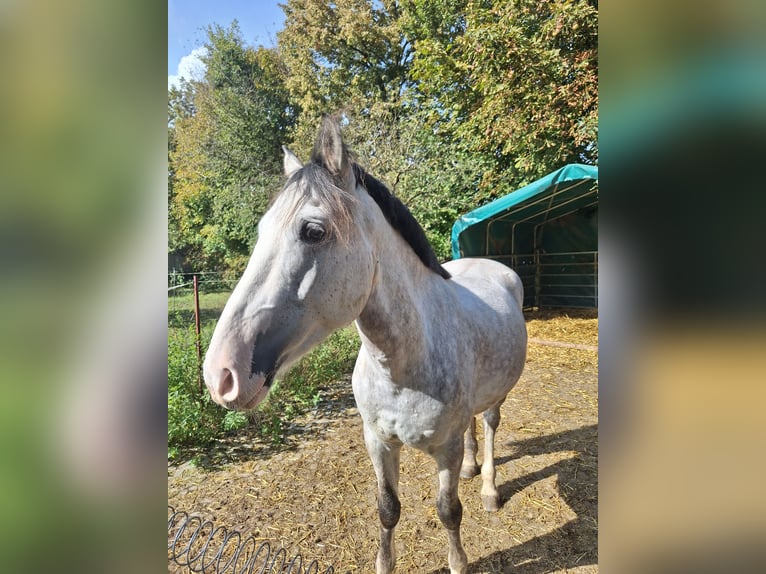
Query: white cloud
[190,67]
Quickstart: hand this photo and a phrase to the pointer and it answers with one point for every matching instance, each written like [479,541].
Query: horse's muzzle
[231,390]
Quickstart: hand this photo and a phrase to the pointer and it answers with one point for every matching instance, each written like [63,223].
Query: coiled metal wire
[201,546]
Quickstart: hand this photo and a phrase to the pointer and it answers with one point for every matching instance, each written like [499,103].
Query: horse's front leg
[448,506]
[385,460]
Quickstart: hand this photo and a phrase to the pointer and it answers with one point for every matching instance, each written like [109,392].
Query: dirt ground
[316,494]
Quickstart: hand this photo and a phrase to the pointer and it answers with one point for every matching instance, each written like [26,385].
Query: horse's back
[473,270]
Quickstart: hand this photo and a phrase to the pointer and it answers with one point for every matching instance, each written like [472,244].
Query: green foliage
[515,80]
[248,104]
[435,178]
[225,137]
[298,391]
[451,103]
[193,419]
[234,421]
[347,55]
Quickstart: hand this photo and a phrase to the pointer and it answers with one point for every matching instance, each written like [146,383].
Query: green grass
[194,420]
[181,308]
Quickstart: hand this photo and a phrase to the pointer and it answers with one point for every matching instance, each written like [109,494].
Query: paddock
[315,495]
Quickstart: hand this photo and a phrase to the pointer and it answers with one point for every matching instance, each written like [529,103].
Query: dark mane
[400,218]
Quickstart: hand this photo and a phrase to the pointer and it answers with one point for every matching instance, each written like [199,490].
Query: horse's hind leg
[448,505]
[490,497]
[470,467]
[385,460]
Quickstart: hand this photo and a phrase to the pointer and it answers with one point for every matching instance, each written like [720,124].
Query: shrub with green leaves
[194,420]
[298,390]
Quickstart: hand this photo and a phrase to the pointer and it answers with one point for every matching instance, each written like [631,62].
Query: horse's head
[310,273]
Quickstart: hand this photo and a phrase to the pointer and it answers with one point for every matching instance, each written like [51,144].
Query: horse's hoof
[491,503]
[468,472]
[458,562]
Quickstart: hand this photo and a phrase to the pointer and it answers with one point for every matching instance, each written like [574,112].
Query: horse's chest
[409,417]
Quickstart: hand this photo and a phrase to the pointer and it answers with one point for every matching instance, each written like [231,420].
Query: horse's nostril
[227,387]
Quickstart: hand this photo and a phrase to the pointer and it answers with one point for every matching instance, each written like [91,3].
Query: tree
[450,102]
[354,57]
[436,178]
[515,79]
[226,154]
[346,55]
[248,102]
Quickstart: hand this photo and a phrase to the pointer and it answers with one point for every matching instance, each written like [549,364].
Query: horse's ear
[329,149]
[290,162]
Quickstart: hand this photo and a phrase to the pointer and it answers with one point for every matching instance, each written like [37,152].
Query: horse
[439,343]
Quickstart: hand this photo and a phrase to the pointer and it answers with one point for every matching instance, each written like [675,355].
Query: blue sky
[259,20]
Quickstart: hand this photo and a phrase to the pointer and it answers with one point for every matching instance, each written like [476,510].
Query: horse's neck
[395,321]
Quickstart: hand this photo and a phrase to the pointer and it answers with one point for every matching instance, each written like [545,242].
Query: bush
[299,390]
[329,362]
[195,420]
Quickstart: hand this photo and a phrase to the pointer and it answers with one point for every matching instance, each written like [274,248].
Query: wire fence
[181,283]
[198,545]
[194,543]
[183,299]
[184,309]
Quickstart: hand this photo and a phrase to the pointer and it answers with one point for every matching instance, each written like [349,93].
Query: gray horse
[440,344]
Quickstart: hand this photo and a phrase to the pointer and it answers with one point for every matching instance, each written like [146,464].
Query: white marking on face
[307,282]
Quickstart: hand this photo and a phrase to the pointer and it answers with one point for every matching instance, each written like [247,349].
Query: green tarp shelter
[547,232]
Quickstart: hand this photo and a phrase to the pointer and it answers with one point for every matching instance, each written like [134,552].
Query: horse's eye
[312,232]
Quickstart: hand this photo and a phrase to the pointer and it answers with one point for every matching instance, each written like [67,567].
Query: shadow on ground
[575,543]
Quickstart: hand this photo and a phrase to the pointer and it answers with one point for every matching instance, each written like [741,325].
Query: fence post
[197,332]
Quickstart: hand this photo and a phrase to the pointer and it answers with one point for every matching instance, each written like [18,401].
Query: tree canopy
[226,132]
[450,102]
